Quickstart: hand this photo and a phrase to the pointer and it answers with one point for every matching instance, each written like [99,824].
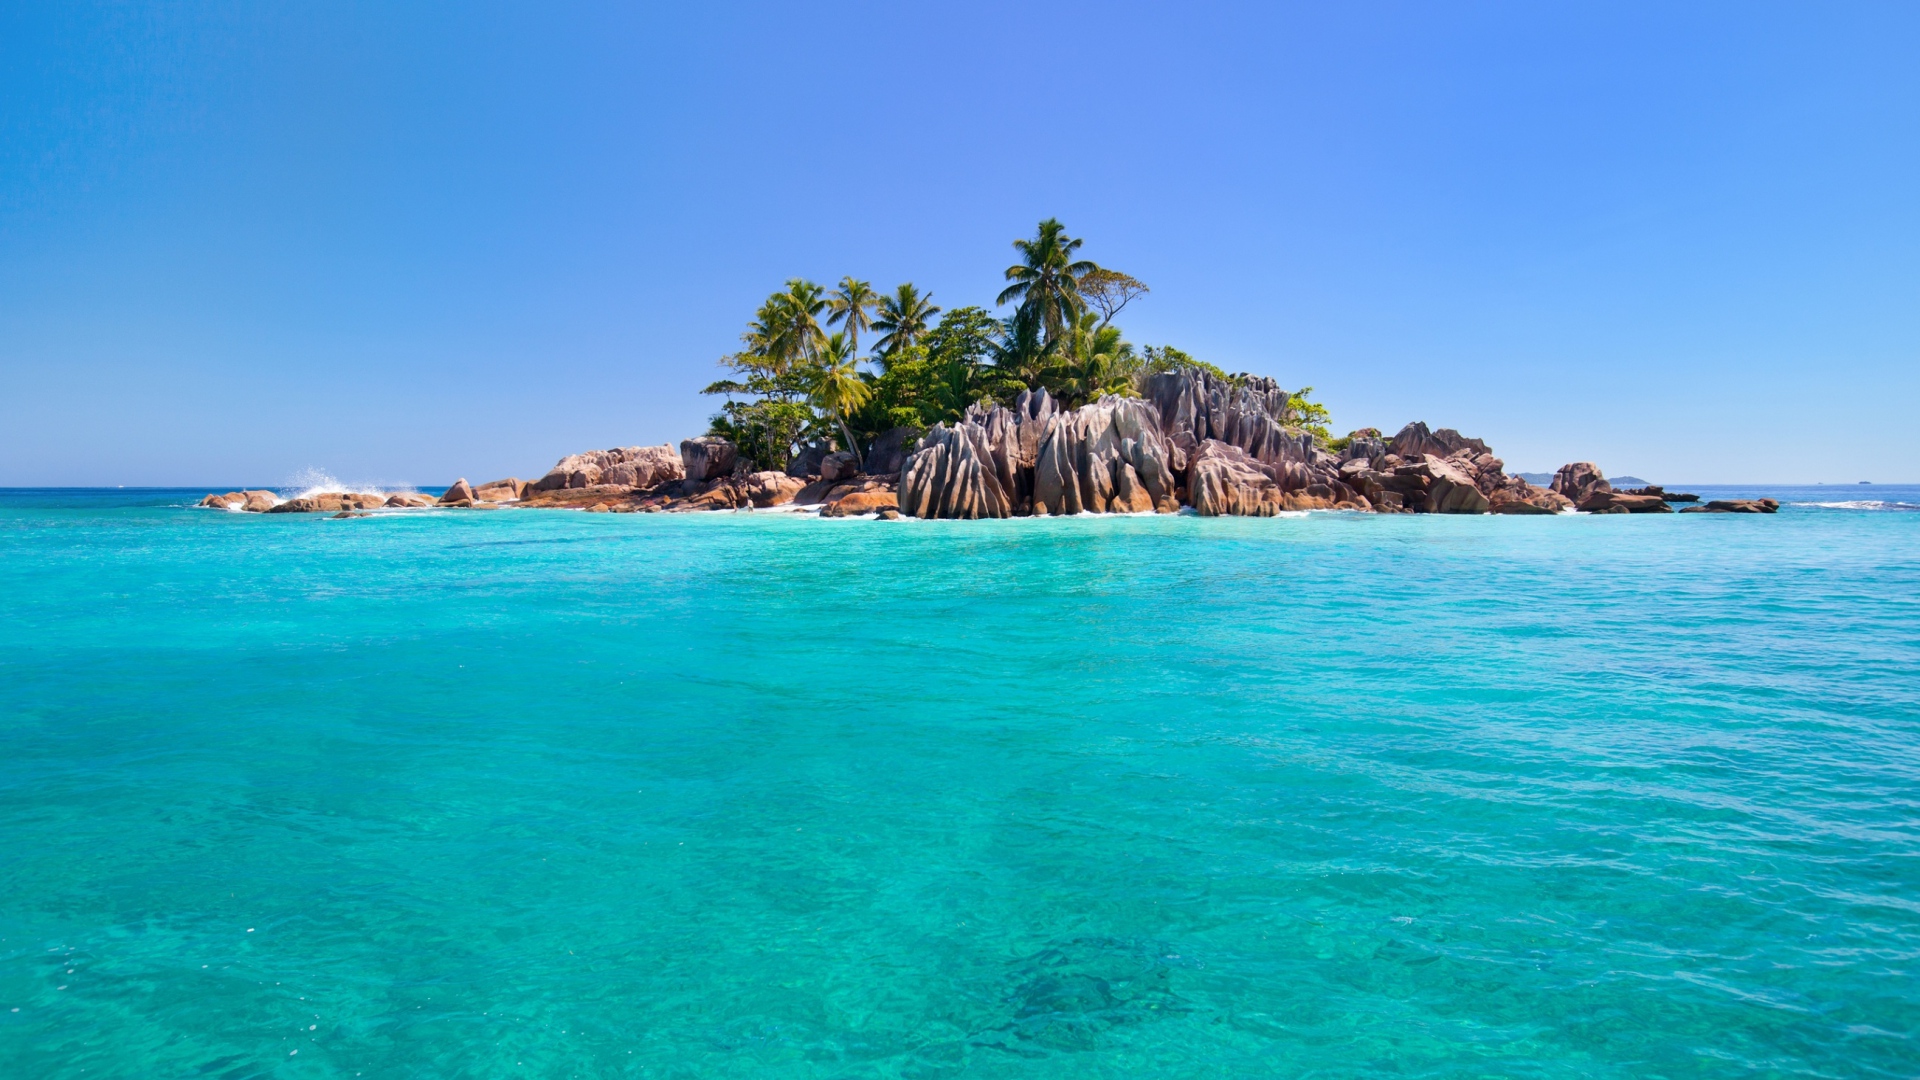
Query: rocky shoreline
[1191,440]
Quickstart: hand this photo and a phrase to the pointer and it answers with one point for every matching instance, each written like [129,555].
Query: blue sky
[404,243]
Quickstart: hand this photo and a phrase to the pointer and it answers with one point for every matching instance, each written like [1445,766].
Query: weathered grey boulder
[952,475]
[1579,480]
[1223,480]
[889,452]
[1106,457]
[807,461]
[1363,445]
[1415,442]
[708,457]
[1195,406]
[839,465]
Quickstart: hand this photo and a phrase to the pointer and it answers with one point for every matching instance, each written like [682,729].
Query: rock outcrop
[1579,480]
[1601,501]
[764,489]
[1251,414]
[1224,480]
[1736,506]
[888,454]
[861,502]
[708,457]
[1415,442]
[839,465]
[502,491]
[258,502]
[1222,445]
[331,502]
[807,461]
[622,466]
[1107,457]
[409,500]
[953,475]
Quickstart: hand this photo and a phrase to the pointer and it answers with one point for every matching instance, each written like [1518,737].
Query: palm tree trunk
[851,445]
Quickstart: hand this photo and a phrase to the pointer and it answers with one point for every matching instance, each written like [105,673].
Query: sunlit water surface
[552,794]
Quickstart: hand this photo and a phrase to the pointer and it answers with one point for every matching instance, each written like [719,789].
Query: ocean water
[554,794]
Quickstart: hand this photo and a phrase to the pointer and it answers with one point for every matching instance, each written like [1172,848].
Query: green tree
[1021,352]
[837,386]
[1096,361]
[1046,280]
[767,410]
[1155,359]
[1309,416]
[1107,291]
[904,319]
[851,304]
[788,326]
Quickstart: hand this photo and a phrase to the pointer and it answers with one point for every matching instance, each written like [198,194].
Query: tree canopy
[792,383]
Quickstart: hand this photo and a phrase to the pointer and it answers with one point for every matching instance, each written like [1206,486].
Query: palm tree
[838,387]
[904,319]
[1047,277]
[1020,351]
[1097,361]
[788,326]
[850,304]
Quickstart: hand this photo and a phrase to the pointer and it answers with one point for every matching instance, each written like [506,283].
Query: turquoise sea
[547,794]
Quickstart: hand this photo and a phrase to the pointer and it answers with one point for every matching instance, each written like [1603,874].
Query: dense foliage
[794,383]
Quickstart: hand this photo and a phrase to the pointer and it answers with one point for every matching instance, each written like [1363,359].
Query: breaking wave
[310,481]
[1864,504]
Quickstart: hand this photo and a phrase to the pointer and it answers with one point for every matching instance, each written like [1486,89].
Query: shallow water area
[449,793]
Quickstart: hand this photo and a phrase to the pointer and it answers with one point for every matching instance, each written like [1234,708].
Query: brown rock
[1449,490]
[1736,506]
[839,465]
[501,491]
[622,466]
[814,493]
[771,488]
[1579,480]
[889,515]
[459,492]
[708,457]
[861,502]
[1520,507]
[1415,442]
[220,502]
[259,502]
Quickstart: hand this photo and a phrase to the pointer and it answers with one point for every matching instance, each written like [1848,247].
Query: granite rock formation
[622,466]
[708,457]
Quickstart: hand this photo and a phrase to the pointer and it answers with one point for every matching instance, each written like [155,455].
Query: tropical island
[1046,411]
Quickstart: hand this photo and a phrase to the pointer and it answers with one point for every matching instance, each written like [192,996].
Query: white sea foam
[311,481]
[1863,504]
